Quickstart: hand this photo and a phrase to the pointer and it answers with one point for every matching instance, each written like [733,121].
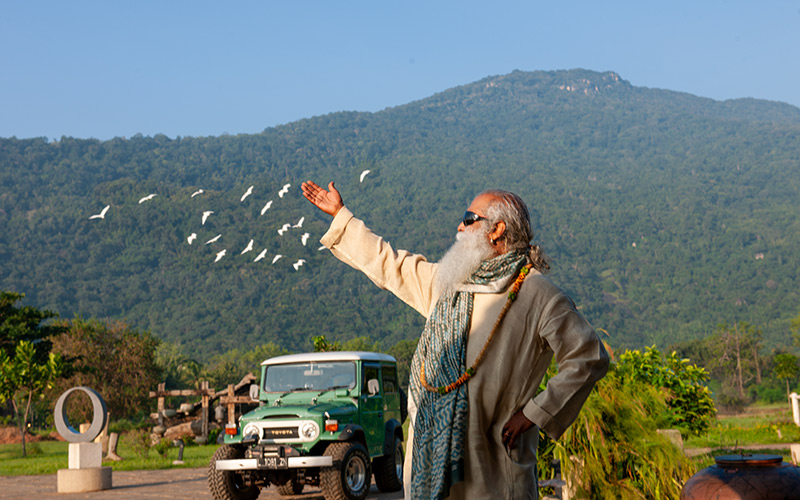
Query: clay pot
[745,477]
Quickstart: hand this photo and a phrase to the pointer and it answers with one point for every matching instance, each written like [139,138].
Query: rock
[179,431]
[197,427]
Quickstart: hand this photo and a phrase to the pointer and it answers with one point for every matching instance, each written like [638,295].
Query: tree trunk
[740,378]
[21,420]
[756,361]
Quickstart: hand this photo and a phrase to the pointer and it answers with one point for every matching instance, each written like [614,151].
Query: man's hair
[509,208]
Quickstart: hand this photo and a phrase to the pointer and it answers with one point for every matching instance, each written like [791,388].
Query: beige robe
[541,322]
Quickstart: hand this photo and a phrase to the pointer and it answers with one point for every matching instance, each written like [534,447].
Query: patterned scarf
[441,423]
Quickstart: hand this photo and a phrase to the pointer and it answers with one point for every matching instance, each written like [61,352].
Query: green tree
[362,343]
[113,359]
[23,378]
[321,344]
[735,357]
[231,366]
[403,352]
[28,366]
[794,327]
[690,403]
[786,368]
[25,323]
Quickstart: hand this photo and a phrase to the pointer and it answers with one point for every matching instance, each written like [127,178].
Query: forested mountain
[663,213]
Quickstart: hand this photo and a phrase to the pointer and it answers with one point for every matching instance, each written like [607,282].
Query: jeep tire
[388,469]
[290,487]
[350,476]
[229,485]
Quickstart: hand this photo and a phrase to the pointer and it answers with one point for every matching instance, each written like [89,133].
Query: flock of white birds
[206,214]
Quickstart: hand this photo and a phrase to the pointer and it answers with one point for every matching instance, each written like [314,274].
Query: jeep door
[391,394]
[371,404]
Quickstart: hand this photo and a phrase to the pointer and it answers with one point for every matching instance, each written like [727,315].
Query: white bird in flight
[205,215]
[275,259]
[300,222]
[261,255]
[283,229]
[304,238]
[266,207]
[322,247]
[284,190]
[215,238]
[247,248]
[247,193]
[363,174]
[199,191]
[147,198]
[191,238]
[102,214]
[299,263]
[220,255]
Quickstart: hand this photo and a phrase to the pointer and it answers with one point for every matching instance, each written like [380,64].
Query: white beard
[462,259]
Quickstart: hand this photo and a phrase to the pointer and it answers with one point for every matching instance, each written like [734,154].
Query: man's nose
[461,227]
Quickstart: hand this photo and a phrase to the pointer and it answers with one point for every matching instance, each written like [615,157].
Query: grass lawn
[759,424]
[46,457]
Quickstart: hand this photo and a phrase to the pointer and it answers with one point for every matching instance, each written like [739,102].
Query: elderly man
[494,322]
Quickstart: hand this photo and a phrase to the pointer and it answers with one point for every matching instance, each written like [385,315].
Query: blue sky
[108,69]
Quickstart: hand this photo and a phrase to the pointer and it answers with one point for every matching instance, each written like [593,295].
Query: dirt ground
[168,484]
[11,435]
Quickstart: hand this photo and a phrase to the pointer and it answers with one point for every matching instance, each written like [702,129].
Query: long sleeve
[582,361]
[409,276]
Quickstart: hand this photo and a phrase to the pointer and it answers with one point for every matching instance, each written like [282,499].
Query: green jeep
[327,419]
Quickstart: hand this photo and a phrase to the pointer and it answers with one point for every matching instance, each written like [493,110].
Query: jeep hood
[336,409]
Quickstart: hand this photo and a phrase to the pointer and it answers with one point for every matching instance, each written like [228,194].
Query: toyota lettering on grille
[281,433]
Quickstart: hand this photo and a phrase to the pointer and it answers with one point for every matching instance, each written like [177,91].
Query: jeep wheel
[290,487]
[389,468]
[226,484]
[350,476]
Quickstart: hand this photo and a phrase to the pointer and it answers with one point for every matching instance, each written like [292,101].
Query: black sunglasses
[471,217]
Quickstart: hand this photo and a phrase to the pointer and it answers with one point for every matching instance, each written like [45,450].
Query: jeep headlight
[309,431]
[250,429]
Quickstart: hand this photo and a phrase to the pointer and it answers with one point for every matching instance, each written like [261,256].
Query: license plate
[275,463]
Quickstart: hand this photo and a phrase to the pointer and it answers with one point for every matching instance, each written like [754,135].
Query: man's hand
[329,201]
[514,428]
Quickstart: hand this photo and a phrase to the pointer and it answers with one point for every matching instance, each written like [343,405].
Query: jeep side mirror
[254,390]
[373,386]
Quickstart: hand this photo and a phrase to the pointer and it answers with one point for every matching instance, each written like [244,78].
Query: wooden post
[162,388]
[204,417]
[231,406]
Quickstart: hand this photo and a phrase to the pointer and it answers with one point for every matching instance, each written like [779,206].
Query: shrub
[689,402]
[613,450]
[138,441]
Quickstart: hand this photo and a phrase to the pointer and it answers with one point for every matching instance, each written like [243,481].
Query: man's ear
[498,231]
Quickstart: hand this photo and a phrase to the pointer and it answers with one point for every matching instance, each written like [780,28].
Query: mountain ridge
[700,186]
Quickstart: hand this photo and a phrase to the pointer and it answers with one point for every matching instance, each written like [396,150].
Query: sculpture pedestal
[86,471]
[83,480]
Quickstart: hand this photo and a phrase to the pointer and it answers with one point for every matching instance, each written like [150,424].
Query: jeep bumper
[279,463]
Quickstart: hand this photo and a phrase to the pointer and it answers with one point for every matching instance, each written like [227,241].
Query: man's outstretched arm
[409,276]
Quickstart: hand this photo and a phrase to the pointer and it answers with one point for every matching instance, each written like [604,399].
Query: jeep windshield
[310,376]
